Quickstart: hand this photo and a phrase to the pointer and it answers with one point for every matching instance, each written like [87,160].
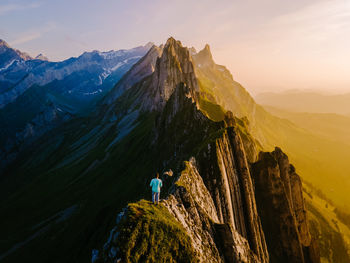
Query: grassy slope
[333,235]
[45,183]
[99,194]
[149,233]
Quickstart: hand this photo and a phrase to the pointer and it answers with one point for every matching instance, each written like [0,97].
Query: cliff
[101,163]
[213,198]
[281,206]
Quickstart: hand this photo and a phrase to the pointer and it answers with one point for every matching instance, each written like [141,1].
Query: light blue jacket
[156,184]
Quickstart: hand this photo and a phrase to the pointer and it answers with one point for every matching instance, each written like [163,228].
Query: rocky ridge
[37,95]
[105,159]
[279,193]
[214,197]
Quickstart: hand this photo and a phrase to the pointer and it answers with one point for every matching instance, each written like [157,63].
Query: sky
[268,45]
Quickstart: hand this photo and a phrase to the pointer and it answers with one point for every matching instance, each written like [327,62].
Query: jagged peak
[22,55]
[172,68]
[204,57]
[149,45]
[206,51]
[175,48]
[172,41]
[3,43]
[41,57]
[168,66]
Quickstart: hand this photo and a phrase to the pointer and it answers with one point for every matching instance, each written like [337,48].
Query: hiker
[156,184]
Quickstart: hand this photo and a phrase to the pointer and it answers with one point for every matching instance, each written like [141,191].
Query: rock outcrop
[191,205]
[281,206]
[172,68]
[224,168]
[213,198]
[142,69]
[216,208]
[214,238]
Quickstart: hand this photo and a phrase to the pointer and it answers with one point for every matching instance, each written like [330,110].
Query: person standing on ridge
[156,184]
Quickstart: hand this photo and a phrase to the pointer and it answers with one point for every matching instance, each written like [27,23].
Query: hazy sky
[267,44]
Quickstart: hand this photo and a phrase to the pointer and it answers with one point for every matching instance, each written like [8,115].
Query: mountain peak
[173,67]
[9,54]
[172,42]
[41,57]
[3,43]
[149,45]
[204,57]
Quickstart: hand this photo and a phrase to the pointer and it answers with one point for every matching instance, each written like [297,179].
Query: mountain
[213,199]
[225,202]
[328,125]
[312,102]
[87,76]
[41,57]
[37,95]
[8,55]
[320,161]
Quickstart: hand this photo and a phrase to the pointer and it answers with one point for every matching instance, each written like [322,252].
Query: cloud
[34,34]
[6,8]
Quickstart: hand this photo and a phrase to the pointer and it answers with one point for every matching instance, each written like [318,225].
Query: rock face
[228,179]
[210,212]
[142,69]
[8,55]
[214,238]
[173,67]
[282,209]
[214,197]
[191,205]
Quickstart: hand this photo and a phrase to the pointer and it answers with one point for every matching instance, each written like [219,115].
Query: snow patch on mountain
[8,65]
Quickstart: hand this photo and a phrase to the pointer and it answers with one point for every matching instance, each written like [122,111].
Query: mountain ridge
[103,161]
[37,95]
[234,200]
[302,101]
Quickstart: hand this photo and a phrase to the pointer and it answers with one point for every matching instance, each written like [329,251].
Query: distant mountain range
[233,196]
[8,55]
[36,95]
[301,101]
[332,126]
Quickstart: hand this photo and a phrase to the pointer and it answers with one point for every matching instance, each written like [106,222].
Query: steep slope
[8,55]
[213,198]
[321,161]
[43,94]
[326,223]
[83,172]
[89,75]
[280,199]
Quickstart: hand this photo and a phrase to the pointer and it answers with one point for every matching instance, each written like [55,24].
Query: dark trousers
[155,197]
